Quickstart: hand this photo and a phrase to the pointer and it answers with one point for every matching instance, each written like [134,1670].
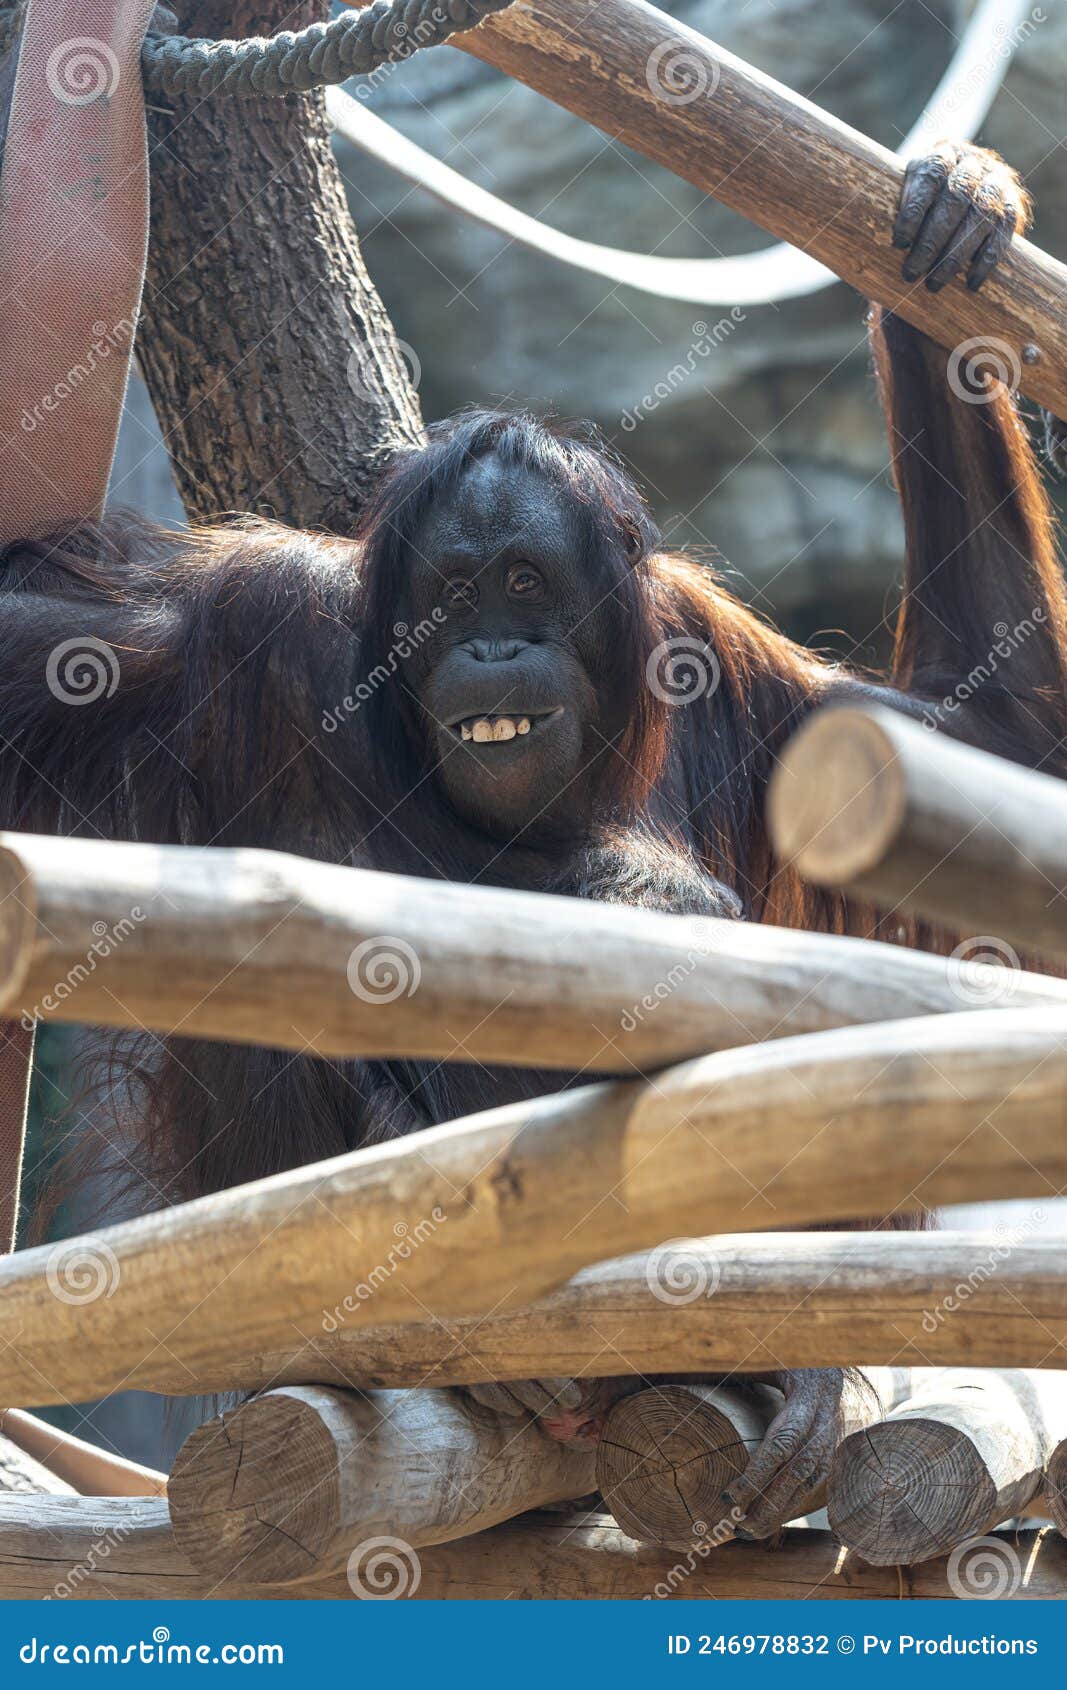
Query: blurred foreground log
[868,802]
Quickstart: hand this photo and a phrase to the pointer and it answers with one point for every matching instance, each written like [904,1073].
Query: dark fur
[235,645]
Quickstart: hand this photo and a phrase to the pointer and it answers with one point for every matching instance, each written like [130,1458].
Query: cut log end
[908,1490]
[837,798]
[258,1492]
[666,1456]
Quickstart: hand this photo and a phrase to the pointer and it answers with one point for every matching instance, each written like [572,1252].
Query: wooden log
[964,1453]
[1056,1486]
[870,802]
[271,949]
[83,1467]
[704,1305]
[95,1549]
[491,1212]
[544,1559]
[294,1483]
[22,1475]
[667,1454]
[84,1549]
[714,1305]
[736,134]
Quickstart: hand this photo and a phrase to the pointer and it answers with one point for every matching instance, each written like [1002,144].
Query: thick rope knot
[294,61]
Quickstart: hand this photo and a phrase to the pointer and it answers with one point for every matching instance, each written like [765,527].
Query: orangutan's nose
[495,651]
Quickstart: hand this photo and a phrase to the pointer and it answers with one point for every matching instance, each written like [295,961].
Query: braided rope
[353,44]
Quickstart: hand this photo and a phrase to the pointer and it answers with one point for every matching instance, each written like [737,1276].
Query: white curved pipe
[957,107]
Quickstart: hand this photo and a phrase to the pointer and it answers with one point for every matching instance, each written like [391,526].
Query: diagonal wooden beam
[502,1207]
[751,143]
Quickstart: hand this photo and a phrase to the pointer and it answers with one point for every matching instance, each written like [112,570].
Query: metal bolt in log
[966,1452]
[868,802]
[291,1484]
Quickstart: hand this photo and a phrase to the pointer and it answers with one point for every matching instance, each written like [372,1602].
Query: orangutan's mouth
[491,728]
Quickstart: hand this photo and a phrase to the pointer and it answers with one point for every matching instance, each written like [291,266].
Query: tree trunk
[271,361]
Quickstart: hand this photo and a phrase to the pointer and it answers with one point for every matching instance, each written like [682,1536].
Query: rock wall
[771,451]
[770,454]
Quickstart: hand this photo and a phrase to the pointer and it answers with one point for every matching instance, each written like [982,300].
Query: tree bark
[270,358]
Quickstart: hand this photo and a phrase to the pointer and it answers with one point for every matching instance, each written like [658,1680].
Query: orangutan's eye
[524,581]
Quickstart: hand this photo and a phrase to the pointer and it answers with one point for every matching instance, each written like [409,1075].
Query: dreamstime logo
[363,378]
[381,1569]
[680,1271]
[983,971]
[682,669]
[707,938]
[1009,1240]
[408,1240]
[406,642]
[1005,42]
[706,338]
[105,941]
[82,70]
[679,75]
[384,968]
[109,1537]
[984,1569]
[976,365]
[105,343]
[403,42]
[81,670]
[1007,641]
[705,1539]
[81,1270]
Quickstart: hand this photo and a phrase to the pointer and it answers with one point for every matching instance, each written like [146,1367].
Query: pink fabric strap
[73,234]
[73,238]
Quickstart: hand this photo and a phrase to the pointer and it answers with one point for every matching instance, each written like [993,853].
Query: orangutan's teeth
[522,726]
[504,729]
[465,731]
[482,731]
